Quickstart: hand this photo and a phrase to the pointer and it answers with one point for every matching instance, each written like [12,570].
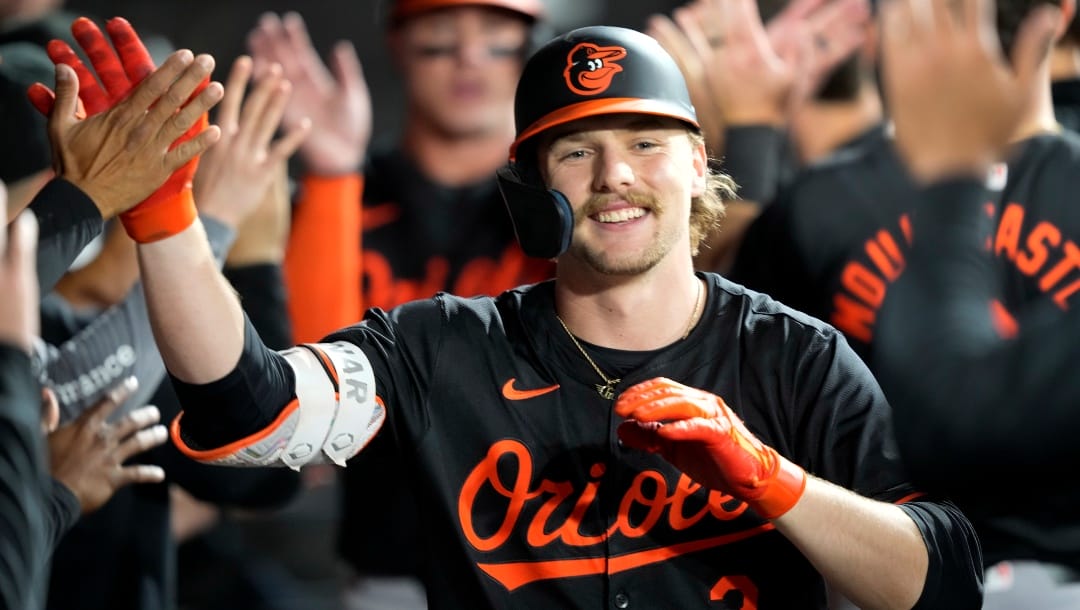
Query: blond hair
[707,209]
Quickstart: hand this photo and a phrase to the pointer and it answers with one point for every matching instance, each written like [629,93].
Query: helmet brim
[599,107]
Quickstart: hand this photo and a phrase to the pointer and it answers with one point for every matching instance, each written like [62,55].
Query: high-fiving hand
[955,100]
[168,109]
[169,209]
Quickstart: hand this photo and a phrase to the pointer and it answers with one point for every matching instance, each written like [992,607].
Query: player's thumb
[67,93]
[1033,42]
[640,435]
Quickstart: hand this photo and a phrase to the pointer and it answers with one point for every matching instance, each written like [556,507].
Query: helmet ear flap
[543,219]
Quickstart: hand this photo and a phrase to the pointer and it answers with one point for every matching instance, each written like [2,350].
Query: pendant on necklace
[607,390]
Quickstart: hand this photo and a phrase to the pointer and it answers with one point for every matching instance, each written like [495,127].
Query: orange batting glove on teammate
[171,208]
[700,435]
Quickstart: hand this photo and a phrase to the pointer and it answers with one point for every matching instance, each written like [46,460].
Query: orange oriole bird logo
[590,68]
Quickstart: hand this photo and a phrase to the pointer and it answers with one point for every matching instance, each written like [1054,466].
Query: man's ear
[1068,13]
[701,168]
[50,411]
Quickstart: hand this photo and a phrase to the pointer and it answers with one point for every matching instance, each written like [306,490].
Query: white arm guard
[335,414]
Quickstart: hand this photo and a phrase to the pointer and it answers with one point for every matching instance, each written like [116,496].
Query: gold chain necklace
[607,389]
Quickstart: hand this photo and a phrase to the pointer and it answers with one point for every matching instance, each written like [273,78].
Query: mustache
[597,203]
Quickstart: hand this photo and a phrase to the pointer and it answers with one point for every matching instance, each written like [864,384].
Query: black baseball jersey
[529,501]
[981,415]
[835,238]
[420,238]
[840,237]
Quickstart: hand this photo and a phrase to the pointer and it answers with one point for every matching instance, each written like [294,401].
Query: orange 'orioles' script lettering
[664,503]
[478,276]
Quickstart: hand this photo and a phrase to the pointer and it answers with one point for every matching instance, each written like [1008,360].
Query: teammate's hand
[336,101]
[700,435]
[87,455]
[693,67]
[955,100]
[236,173]
[119,156]
[18,280]
[169,208]
[263,237]
[758,74]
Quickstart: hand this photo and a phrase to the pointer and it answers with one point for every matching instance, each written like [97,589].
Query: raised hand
[264,235]
[699,434]
[236,173]
[336,101]
[88,454]
[18,280]
[817,36]
[955,100]
[757,74]
[120,156]
[693,67]
[168,209]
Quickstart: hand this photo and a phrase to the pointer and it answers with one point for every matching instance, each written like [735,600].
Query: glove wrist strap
[156,220]
[783,491]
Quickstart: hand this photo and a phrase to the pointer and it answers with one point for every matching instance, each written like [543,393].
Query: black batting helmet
[588,72]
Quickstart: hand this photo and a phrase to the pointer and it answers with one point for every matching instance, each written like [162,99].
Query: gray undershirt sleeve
[115,345]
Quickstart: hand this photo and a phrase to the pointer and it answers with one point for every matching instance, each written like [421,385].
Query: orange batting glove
[171,208]
[698,433]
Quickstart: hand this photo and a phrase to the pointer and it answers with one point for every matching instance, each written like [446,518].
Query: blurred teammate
[975,409]
[431,220]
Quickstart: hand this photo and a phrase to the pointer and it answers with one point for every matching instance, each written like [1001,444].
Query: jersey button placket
[622,600]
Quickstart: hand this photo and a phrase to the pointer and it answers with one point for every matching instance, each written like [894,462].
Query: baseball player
[432,220]
[628,434]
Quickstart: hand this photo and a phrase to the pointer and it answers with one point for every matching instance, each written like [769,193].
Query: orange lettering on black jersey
[1010,227]
[865,281]
[649,490]
[1004,322]
[1043,237]
[479,276]
[1042,253]
[1070,262]
[737,593]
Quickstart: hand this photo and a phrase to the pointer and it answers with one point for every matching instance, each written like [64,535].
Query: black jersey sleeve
[67,221]
[402,346]
[243,402]
[954,573]
[974,410]
[849,429]
[23,493]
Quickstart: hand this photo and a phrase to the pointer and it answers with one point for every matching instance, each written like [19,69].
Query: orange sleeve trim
[322,261]
[231,448]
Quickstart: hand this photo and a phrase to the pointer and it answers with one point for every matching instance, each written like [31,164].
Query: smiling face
[630,180]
